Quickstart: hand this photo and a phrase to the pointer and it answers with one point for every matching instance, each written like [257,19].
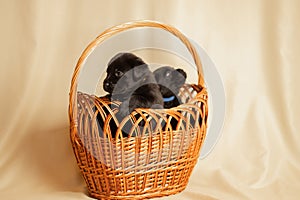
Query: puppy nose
[106,85]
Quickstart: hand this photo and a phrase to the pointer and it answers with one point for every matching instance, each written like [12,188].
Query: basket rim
[107,34]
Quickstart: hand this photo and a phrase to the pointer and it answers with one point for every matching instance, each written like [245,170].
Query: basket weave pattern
[159,160]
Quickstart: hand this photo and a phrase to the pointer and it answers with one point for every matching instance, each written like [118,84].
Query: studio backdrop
[250,56]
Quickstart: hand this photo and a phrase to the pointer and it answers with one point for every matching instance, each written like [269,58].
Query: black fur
[130,81]
[170,81]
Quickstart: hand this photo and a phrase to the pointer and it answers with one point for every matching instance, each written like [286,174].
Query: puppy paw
[157,106]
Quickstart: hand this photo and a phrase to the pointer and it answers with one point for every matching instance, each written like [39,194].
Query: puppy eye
[168,74]
[118,73]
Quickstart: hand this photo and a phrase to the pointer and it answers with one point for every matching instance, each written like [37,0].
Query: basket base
[144,195]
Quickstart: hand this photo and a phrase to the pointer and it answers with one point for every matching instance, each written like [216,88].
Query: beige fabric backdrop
[254,44]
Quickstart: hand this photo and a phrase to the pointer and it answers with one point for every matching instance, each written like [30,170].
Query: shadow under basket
[156,159]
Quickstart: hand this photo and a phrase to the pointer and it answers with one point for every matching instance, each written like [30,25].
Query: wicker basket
[159,161]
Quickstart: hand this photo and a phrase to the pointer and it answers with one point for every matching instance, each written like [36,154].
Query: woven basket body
[159,158]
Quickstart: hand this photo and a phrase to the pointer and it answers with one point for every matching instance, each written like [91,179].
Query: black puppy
[170,81]
[130,81]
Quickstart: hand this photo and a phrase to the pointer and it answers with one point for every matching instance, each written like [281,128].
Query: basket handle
[117,29]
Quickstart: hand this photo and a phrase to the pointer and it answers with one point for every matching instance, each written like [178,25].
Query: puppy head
[125,69]
[170,80]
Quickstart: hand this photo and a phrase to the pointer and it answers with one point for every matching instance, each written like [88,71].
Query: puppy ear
[180,76]
[139,71]
[182,72]
[136,61]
